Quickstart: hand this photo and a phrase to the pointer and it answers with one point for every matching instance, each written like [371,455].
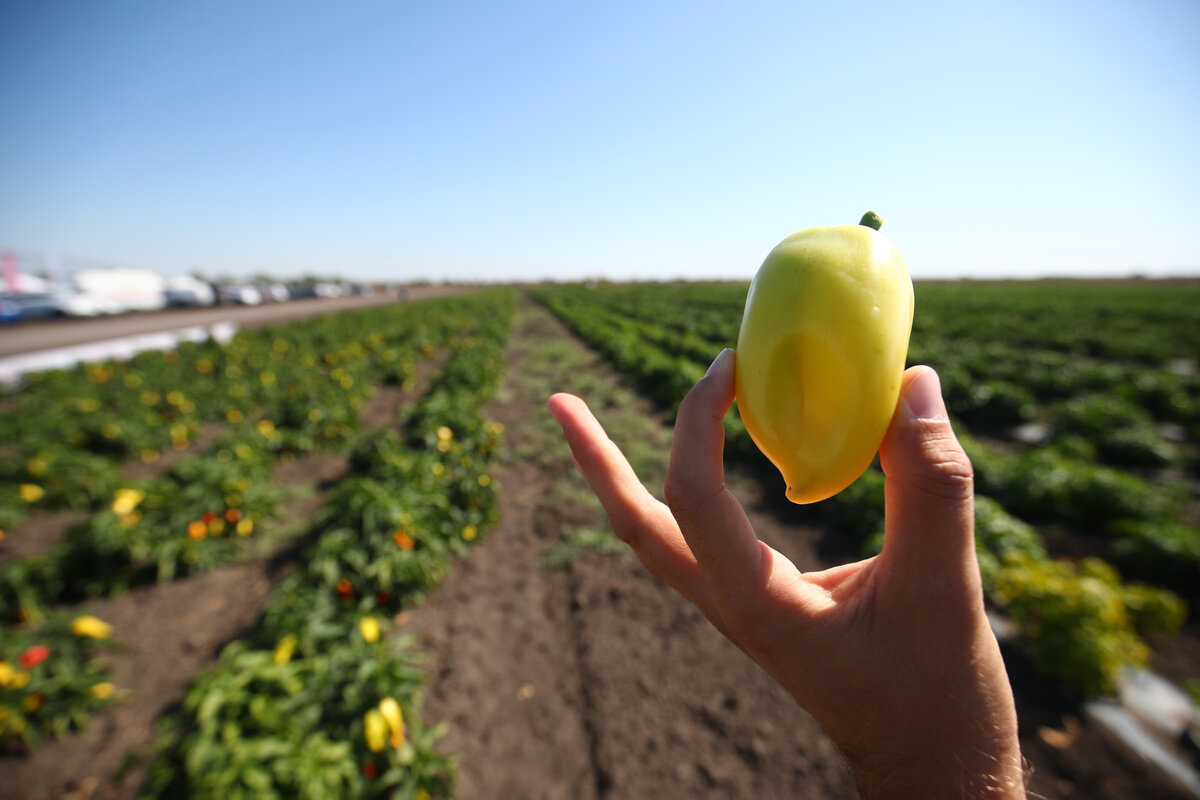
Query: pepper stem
[871,220]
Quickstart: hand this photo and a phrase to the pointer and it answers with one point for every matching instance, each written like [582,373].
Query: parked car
[301,291]
[329,290]
[273,292]
[239,294]
[16,307]
[116,291]
[184,290]
[77,304]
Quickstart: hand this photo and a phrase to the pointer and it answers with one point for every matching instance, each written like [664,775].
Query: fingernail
[924,396]
[718,361]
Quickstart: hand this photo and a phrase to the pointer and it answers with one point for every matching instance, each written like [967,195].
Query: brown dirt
[38,534]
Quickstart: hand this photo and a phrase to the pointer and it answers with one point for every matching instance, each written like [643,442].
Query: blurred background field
[134,479]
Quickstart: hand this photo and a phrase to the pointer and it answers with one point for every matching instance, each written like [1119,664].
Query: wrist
[925,778]
[951,763]
[958,743]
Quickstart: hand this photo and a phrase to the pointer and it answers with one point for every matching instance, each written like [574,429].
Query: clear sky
[628,139]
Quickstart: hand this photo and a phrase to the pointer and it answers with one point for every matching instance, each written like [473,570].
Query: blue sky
[498,141]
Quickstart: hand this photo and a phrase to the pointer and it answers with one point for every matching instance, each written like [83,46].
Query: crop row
[67,432]
[322,699]
[199,512]
[1096,625]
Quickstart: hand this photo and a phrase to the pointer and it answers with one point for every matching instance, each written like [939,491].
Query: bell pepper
[821,353]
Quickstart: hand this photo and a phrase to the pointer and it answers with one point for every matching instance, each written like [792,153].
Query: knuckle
[678,492]
[946,470]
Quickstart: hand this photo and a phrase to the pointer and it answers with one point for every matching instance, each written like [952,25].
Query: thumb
[929,494]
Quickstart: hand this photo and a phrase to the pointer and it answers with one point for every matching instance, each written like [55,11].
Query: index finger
[712,520]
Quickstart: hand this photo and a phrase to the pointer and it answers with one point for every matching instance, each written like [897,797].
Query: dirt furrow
[504,678]
[591,678]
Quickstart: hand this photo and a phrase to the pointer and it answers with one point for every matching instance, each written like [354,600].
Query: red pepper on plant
[34,655]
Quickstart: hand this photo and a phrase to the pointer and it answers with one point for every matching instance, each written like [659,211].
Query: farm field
[233,569]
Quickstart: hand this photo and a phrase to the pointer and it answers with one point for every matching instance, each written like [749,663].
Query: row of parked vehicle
[117,291]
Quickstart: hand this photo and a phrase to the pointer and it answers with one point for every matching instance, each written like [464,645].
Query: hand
[893,655]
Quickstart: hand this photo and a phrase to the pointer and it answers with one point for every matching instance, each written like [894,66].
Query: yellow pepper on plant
[91,627]
[126,500]
[285,649]
[369,628]
[375,730]
[390,710]
[31,492]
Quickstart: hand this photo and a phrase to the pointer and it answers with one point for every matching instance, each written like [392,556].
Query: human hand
[893,655]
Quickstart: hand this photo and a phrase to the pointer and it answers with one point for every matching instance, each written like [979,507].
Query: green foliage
[1166,550]
[50,681]
[857,510]
[1123,432]
[1000,537]
[262,725]
[1073,620]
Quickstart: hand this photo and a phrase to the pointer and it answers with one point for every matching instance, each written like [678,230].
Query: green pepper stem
[871,220]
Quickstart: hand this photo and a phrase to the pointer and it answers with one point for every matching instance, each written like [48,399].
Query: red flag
[11,276]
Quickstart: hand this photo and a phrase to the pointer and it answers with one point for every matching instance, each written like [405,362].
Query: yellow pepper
[390,710]
[375,730]
[821,353]
[284,649]
[31,492]
[369,628]
[91,627]
[126,500]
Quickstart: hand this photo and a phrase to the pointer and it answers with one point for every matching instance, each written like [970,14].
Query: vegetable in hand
[821,353]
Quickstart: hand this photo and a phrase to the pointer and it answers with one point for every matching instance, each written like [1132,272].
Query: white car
[77,304]
[240,294]
[184,290]
[116,291]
